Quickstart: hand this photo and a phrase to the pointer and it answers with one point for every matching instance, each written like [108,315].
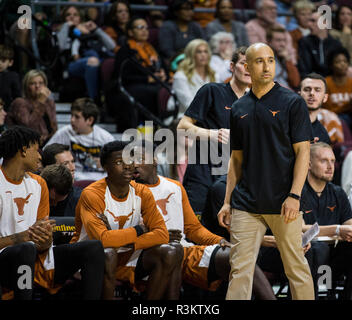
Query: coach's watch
[294,196]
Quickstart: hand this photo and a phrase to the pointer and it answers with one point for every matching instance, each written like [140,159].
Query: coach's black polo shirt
[320,132]
[265,129]
[211,108]
[332,207]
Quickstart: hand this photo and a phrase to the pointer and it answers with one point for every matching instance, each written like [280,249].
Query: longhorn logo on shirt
[20,202]
[332,208]
[120,219]
[274,112]
[161,203]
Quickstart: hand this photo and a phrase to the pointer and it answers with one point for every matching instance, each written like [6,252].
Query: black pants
[11,258]
[87,256]
[338,258]
[197,182]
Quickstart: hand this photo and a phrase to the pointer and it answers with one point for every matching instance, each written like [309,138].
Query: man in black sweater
[314,49]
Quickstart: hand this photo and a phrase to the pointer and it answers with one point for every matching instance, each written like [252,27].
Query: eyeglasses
[140,27]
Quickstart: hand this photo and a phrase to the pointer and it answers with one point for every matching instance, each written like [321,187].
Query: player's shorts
[198,266]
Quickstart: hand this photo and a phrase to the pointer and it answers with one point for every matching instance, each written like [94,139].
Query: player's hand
[224,216]
[224,243]
[175,235]
[290,209]
[41,233]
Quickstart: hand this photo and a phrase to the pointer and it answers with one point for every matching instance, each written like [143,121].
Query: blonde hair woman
[36,110]
[192,73]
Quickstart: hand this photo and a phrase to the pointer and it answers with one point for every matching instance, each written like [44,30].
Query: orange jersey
[138,207]
[21,205]
[173,203]
[340,97]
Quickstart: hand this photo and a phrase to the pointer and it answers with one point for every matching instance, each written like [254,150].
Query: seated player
[138,234]
[26,232]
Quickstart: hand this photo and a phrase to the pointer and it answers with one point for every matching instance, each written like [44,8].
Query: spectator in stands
[193,72]
[284,12]
[222,46]
[26,231]
[266,14]
[10,85]
[116,22]
[208,117]
[59,154]
[327,204]
[36,110]
[132,229]
[302,10]
[342,30]
[286,73]
[85,139]
[176,33]
[184,227]
[141,85]
[88,45]
[203,18]
[339,85]
[224,21]
[19,35]
[3,114]
[313,91]
[62,198]
[314,49]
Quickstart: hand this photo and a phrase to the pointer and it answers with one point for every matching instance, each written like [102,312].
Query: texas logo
[120,219]
[20,203]
[332,208]
[274,113]
[161,203]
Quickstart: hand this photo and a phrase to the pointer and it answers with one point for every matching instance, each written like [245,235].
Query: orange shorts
[195,266]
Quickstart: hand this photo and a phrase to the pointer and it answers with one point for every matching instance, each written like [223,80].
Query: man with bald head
[270,133]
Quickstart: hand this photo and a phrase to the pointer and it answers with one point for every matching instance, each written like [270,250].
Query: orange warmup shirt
[138,207]
[340,97]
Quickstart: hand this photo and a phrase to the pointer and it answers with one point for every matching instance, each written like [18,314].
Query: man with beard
[327,204]
[313,91]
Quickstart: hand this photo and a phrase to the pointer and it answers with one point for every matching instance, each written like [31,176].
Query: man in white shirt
[84,138]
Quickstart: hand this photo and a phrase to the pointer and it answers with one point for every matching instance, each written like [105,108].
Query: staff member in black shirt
[270,135]
[313,91]
[327,204]
[208,117]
